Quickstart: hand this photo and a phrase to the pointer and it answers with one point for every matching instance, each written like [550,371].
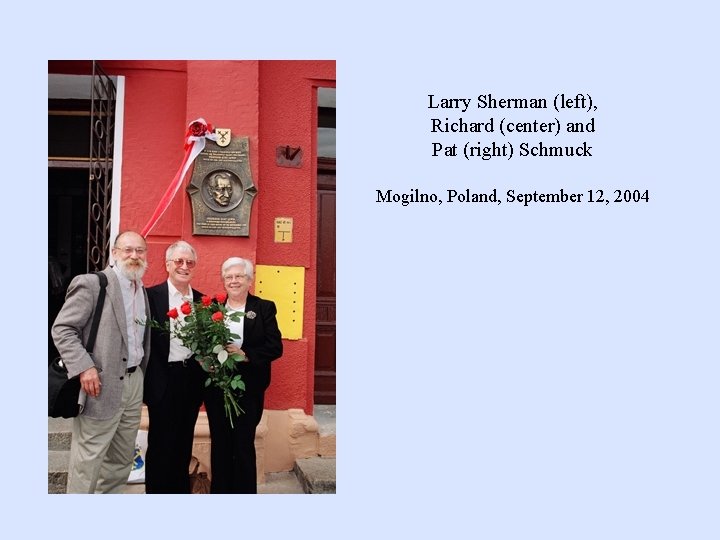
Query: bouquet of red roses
[204,331]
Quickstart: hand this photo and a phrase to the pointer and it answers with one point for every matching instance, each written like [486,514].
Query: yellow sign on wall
[283,230]
[284,285]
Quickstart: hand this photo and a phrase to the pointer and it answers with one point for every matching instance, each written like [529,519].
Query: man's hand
[90,382]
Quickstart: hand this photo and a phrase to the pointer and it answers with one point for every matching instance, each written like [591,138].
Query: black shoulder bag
[63,392]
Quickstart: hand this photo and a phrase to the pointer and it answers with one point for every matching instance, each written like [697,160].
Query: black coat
[156,375]
[262,343]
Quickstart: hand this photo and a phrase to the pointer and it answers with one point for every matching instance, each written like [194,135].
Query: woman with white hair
[232,455]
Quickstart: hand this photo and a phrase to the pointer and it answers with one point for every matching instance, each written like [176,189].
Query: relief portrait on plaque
[223,191]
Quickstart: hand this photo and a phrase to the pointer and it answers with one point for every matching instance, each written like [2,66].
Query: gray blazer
[70,333]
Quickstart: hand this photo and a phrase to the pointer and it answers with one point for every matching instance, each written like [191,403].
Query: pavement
[275,483]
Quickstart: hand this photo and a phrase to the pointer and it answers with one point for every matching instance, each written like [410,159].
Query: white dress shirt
[178,351]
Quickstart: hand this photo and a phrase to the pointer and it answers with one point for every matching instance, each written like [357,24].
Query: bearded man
[111,378]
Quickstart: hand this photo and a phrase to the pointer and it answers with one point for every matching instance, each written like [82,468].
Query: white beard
[133,273]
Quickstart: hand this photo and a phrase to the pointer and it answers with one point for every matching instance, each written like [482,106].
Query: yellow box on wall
[284,285]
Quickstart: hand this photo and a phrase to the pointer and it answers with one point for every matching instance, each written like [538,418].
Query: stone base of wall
[281,438]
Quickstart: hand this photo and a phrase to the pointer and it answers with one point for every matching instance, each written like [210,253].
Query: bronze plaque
[222,190]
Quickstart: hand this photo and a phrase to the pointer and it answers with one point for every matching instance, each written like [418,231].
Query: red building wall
[272,103]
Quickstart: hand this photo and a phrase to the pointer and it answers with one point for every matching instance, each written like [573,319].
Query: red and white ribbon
[197,131]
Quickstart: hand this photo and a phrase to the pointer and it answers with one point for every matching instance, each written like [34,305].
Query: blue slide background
[504,372]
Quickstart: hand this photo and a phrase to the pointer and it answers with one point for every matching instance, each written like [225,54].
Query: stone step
[59,433]
[316,474]
[58,461]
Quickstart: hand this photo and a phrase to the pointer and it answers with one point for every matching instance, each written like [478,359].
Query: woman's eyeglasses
[232,277]
[180,262]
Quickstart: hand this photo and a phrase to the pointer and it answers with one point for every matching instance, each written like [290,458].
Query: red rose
[206,301]
[186,308]
[173,314]
[198,129]
[217,316]
[221,297]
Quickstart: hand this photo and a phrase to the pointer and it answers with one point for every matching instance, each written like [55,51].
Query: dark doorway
[67,235]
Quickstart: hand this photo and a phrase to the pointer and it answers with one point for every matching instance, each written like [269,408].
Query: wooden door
[325,323]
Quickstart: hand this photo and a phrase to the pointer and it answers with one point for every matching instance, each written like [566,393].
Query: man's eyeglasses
[129,250]
[180,262]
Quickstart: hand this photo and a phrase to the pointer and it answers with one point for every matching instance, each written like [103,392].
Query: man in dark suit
[103,434]
[232,455]
[174,381]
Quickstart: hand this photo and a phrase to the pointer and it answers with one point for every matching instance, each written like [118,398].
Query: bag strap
[98,311]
